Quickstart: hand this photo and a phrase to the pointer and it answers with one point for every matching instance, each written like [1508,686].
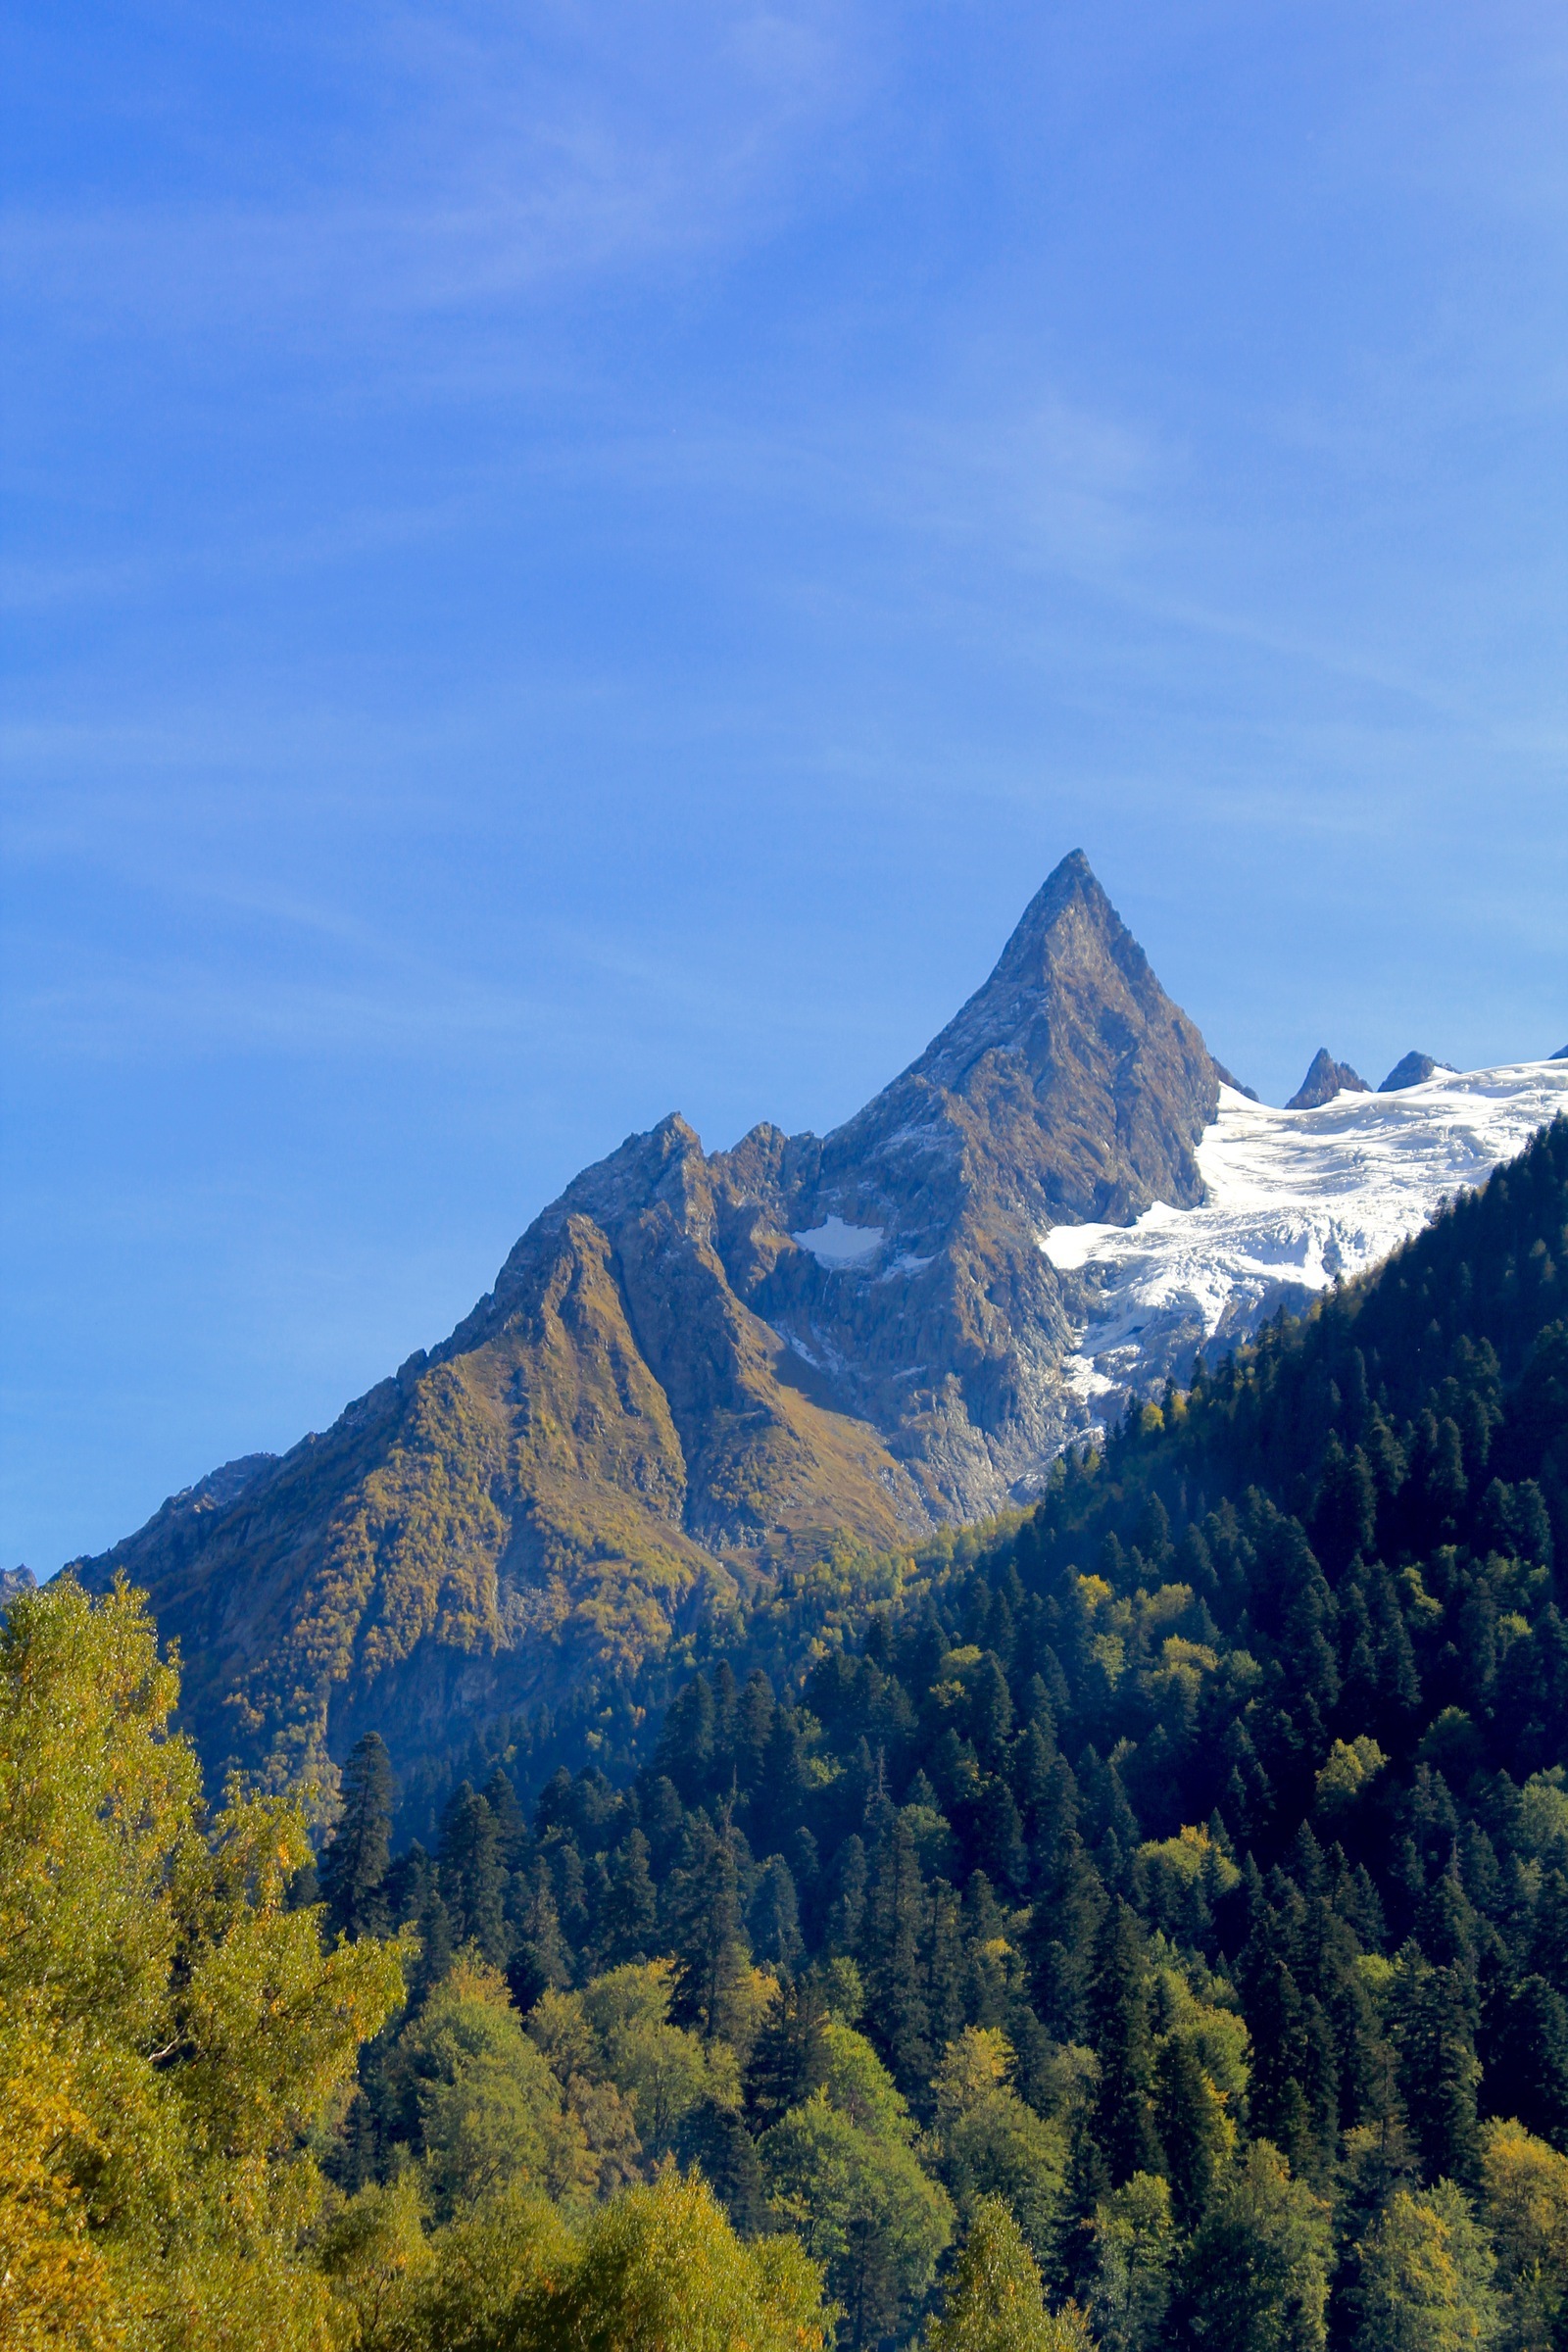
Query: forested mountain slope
[1191,1869]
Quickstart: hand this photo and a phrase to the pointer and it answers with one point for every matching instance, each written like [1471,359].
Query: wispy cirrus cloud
[487,163]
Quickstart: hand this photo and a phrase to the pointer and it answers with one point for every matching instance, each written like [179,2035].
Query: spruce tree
[896,1924]
[1119,2029]
[774,1918]
[541,1958]
[355,1861]
[789,2058]
[846,1916]
[706,1925]
[1434,2038]
[473,1881]
[628,1925]
[1191,2124]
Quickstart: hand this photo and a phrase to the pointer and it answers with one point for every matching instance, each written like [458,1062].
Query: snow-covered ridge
[1293,1198]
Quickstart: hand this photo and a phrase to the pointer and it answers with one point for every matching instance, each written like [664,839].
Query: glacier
[1293,1201]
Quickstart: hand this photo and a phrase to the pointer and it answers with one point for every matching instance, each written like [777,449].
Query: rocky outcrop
[692,1369]
[1413,1069]
[1326,1078]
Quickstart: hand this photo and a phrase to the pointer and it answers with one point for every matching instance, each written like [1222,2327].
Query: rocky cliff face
[693,1367]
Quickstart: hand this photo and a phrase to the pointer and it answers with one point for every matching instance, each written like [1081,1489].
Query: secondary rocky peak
[1326,1078]
[1411,1069]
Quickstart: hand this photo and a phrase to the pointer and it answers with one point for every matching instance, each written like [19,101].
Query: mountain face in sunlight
[696,1372]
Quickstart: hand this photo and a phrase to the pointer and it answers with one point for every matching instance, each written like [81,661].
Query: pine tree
[1433,2040]
[789,2058]
[473,1881]
[628,1925]
[896,1924]
[1119,2029]
[846,1916]
[774,1918]
[355,1861]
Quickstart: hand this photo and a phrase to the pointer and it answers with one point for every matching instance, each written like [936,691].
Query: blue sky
[561,562]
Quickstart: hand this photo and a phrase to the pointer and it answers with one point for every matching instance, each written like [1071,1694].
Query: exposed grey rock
[1326,1078]
[1412,1070]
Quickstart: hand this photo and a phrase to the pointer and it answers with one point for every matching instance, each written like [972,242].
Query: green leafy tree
[1525,2209]
[490,2109]
[660,2267]
[471,2286]
[374,2252]
[1425,2276]
[1256,2277]
[662,2068]
[986,2141]
[1135,2246]
[865,2209]
[995,2300]
[170,2031]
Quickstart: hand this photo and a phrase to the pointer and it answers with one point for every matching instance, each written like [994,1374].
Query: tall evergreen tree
[355,1864]
[896,1927]
[473,1881]
[1119,2028]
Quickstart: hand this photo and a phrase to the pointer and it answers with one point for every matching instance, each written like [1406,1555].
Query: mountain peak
[1325,1078]
[690,1367]
[1046,925]
[1069,946]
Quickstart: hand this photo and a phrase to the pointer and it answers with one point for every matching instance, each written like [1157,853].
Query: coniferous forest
[1147,1927]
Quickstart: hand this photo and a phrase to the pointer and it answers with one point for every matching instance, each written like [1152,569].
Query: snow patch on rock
[836,1244]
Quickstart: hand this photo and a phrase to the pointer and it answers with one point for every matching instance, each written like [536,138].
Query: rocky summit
[1326,1078]
[692,1369]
